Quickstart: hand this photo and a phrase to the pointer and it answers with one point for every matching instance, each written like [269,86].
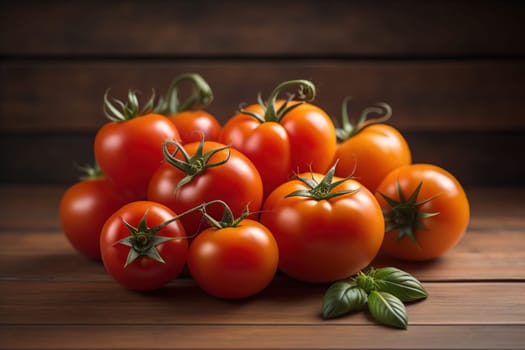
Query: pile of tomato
[277,187]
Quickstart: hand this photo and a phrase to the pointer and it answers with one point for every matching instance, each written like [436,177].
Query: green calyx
[227,220]
[305,93]
[192,165]
[201,96]
[143,240]
[383,110]
[323,189]
[90,172]
[404,214]
[118,111]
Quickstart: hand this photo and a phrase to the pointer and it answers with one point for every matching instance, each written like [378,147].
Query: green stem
[348,130]
[305,93]
[200,98]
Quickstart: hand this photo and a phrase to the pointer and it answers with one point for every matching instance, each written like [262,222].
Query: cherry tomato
[283,138]
[327,228]
[138,251]
[234,262]
[195,125]
[189,116]
[129,149]
[202,172]
[371,149]
[84,208]
[426,211]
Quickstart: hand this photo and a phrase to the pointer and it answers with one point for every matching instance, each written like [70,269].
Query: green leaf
[343,297]
[387,309]
[398,283]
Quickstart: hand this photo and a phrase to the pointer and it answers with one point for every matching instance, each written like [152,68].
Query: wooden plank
[499,337]
[67,95]
[495,255]
[283,302]
[465,154]
[269,28]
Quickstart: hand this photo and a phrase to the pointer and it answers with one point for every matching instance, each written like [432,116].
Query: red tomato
[233,180]
[189,116]
[149,257]
[282,142]
[329,229]
[84,208]
[129,149]
[371,149]
[193,126]
[426,211]
[234,262]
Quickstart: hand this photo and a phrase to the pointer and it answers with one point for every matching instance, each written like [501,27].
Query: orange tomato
[371,149]
[426,211]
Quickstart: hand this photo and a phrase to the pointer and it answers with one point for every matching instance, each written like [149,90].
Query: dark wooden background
[453,71]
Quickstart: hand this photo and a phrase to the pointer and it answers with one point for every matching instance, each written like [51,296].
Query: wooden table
[53,298]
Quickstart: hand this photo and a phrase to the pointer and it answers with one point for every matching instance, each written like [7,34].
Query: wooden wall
[453,71]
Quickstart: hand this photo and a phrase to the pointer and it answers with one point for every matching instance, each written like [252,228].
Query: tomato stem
[405,215]
[305,93]
[349,130]
[192,165]
[143,239]
[201,97]
[323,189]
[118,111]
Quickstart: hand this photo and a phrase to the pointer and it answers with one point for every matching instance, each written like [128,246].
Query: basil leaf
[343,297]
[387,309]
[399,283]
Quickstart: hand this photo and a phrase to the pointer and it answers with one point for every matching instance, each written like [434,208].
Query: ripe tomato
[426,211]
[283,137]
[192,122]
[327,228]
[129,148]
[84,208]
[202,172]
[371,149]
[139,251]
[235,260]
[195,125]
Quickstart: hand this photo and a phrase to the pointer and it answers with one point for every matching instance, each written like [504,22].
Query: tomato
[201,172]
[195,125]
[283,138]
[327,228]
[84,208]
[139,250]
[426,211]
[234,261]
[371,149]
[129,149]
[191,120]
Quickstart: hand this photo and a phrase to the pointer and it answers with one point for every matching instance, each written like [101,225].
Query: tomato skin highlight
[371,154]
[234,262]
[444,230]
[84,208]
[324,240]
[237,182]
[303,140]
[193,125]
[143,273]
[130,151]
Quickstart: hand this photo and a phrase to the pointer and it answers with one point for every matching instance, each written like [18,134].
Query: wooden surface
[53,298]
[452,71]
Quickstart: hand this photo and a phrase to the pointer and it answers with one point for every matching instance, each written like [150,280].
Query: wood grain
[284,302]
[499,337]
[67,96]
[237,27]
